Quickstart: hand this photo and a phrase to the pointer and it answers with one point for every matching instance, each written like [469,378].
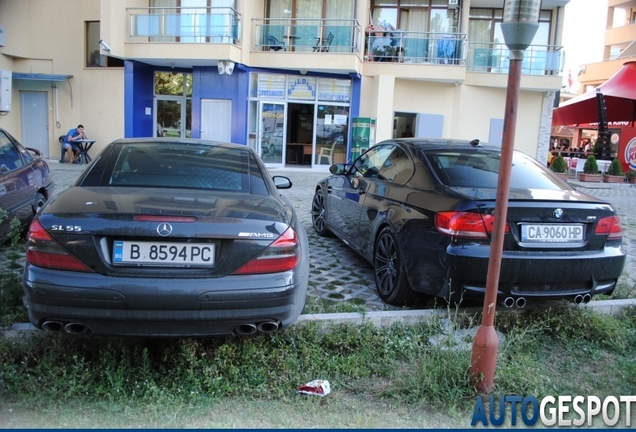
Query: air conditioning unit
[453,4]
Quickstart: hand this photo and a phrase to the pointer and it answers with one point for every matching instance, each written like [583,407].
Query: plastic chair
[61,140]
[322,45]
[275,44]
[327,152]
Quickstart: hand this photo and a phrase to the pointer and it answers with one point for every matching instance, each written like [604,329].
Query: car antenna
[474,142]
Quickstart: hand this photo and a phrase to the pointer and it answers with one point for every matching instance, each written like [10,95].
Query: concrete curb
[380,319]
[388,318]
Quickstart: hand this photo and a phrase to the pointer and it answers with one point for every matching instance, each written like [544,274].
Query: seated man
[70,142]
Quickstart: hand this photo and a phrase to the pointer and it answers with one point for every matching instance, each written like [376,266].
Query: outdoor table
[84,146]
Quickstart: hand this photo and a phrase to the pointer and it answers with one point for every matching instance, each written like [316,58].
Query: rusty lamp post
[520,23]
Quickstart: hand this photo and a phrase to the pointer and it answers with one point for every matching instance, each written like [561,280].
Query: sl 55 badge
[66,228]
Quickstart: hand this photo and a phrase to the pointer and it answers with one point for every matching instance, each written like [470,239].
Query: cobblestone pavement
[339,274]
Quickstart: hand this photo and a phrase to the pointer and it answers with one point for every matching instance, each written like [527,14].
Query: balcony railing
[493,58]
[415,47]
[184,25]
[306,35]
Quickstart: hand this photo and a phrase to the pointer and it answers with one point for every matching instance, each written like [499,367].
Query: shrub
[558,165]
[591,166]
[630,174]
[615,168]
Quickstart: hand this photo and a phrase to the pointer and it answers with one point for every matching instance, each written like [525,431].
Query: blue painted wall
[138,94]
[208,84]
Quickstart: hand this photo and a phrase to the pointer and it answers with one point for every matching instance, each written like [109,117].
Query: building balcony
[620,36]
[200,36]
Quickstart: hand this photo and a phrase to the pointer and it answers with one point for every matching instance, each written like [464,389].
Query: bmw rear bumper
[545,275]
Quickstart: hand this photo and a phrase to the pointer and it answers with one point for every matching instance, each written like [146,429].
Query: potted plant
[631,176]
[590,170]
[559,167]
[614,173]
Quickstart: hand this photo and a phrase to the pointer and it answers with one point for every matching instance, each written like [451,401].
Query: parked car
[168,237]
[421,212]
[273,142]
[25,183]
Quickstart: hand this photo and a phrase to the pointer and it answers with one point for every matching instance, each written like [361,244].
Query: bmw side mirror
[338,169]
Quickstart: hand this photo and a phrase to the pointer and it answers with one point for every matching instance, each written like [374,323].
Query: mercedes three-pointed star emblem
[164,229]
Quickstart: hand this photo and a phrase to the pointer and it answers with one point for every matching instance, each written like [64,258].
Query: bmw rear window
[480,169]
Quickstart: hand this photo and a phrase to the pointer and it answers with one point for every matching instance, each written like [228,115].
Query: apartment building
[286,77]
[619,46]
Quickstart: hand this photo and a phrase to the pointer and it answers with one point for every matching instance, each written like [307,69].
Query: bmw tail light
[611,227]
[43,251]
[280,256]
[465,224]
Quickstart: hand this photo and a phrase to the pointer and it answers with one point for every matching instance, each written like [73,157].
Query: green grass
[126,382]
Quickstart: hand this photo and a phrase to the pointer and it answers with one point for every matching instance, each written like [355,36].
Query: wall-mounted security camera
[104,45]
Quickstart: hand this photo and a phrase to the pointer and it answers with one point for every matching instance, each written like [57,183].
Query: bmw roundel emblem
[558,213]
[164,229]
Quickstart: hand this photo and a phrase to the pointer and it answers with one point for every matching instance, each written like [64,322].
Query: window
[370,164]
[9,156]
[415,15]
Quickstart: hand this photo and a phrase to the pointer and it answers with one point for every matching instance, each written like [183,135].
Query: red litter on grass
[316,387]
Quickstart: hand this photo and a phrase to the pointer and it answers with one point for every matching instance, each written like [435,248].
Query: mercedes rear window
[181,166]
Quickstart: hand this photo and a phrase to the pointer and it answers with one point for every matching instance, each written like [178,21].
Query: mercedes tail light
[42,250]
[282,255]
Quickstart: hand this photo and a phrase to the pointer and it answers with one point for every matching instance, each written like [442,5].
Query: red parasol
[619,92]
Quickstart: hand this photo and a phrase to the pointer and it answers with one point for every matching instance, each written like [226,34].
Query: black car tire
[38,202]
[388,268]
[318,215]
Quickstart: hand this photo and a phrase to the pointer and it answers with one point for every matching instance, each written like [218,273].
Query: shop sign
[334,90]
[630,153]
[301,88]
[271,86]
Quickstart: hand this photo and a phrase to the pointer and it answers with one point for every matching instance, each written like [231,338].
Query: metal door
[34,121]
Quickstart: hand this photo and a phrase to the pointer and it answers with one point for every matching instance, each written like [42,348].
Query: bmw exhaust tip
[268,326]
[52,326]
[578,299]
[75,328]
[587,298]
[521,302]
[245,329]
[509,302]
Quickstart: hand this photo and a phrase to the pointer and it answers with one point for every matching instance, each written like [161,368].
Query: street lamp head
[520,23]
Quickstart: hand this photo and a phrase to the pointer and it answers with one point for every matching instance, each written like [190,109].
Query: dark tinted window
[370,163]
[480,169]
[9,155]
[191,166]
[397,168]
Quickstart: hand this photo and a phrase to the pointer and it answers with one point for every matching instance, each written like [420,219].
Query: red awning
[619,92]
